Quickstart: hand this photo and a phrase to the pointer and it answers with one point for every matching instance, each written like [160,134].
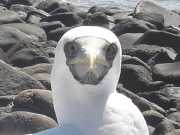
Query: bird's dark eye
[111,51]
[71,49]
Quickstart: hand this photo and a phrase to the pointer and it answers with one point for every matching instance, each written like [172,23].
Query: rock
[160,38]
[20,123]
[40,72]
[12,81]
[122,15]
[10,36]
[141,102]
[151,54]
[29,29]
[63,8]
[52,43]
[153,117]
[3,56]
[127,40]
[23,2]
[28,57]
[52,5]
[172,29]
[8,16]
[131,25]
[126,59]
[68,19]
[34,100]
[159,98]
[168,72]
[147,6]
[154,18]
[49,26]
[138,79]
[97,19]
[164,128]
[57,33]
[174,116]
[51,51]
[6,100]
[96,9]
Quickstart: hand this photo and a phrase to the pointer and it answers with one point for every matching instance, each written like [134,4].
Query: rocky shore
[29,32]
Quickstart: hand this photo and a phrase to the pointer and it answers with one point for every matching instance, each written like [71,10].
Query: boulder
[12,81]
[147,6]
[131,25]
[40,72]
[68,19]
[127,40]
[153,117]
[138,79]
[52,5]
[8,16]
[35,100]
[20,123]
[28,57]
[174,116]
[57,33]
[142,103]
[168,72]
[160,38]
[164,128]
[29,29]
[154,18]
[151,54]
[49,26]
[97,19]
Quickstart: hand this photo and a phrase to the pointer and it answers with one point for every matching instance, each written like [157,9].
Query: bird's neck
[84,114]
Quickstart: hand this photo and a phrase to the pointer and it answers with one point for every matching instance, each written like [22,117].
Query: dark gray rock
[141,102]
[138,79]
[160,38]
[96,9]
[68,19]
[126,59]
[153,117]
[10,36]
[40,72]
[63,8]
[151,54]
[52,5]
[164,128]
[146,7]
[159,98]
[57,33]
[97,19]
[168,72]
[23,2]
[29,29]
[20,123]
[131,26]
[12,81]
[28,57]
[34,100]
[49,26]
[154,18]
[127,40]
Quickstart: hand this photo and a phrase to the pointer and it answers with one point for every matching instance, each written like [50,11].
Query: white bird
[84,77]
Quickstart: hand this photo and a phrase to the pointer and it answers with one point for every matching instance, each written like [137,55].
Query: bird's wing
[66,130]
[124,117]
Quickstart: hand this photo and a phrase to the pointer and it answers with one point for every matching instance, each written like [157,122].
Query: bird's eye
[111,52]
[71,49]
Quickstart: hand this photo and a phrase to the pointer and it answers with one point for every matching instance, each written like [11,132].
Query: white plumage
[85,109]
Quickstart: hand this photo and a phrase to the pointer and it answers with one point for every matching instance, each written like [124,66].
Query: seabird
[84,78]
